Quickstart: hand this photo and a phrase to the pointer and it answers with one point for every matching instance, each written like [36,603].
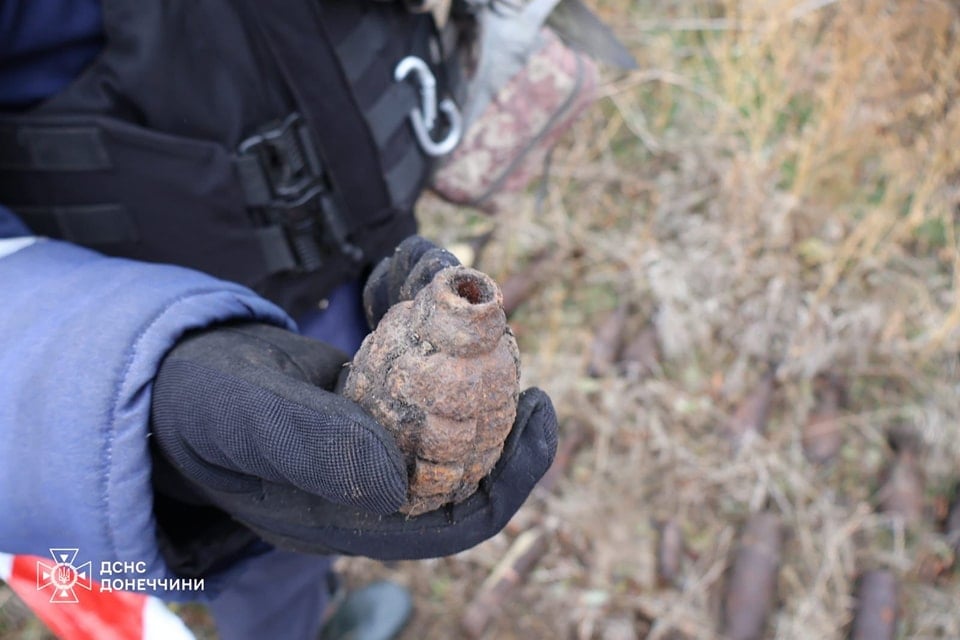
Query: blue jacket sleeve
[81,338]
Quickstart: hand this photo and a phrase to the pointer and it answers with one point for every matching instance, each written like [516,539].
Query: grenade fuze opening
[471,288]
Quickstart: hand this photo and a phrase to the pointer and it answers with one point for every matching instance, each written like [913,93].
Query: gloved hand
[402,275]
[245,418]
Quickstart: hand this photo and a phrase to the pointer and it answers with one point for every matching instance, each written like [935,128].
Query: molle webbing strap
[132,192]
[361,46]
[52,149]
[310,67]
[89,225]
[388,40]
[103,224]
[391,111]
[403,177]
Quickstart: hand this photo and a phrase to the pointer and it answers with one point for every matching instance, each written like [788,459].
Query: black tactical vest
[268,143]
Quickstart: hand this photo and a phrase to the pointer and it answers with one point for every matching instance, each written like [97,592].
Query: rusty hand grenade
[442,372]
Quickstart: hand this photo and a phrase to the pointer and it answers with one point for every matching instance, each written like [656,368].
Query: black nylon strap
[390,111]
[256,189]
[275,249]
[53,149]
[167,198]
[402,178]
[361,47]
[308,77]
[83,224]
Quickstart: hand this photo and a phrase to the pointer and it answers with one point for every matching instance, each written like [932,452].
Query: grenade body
[441,372]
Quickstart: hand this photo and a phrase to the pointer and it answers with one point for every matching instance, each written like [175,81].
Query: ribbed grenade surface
[442,373]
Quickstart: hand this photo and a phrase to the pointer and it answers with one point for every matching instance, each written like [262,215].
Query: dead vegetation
[773,199]
[777,185]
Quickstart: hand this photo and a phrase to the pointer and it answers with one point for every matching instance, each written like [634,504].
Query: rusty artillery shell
[902,491]
[669,553]
[822,434]
[876,614]
[752,585]
[752,413]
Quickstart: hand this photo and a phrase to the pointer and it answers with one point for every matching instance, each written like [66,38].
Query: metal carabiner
[424,119]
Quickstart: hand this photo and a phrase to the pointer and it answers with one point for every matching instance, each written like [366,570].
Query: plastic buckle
[292,190]
[286,157]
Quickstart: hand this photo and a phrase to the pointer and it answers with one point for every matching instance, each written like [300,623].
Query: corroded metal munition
[442,373]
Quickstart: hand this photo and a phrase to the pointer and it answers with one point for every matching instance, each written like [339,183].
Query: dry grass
[778,183]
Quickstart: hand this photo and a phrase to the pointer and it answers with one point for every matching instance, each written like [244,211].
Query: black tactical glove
[402,275]
[245,419]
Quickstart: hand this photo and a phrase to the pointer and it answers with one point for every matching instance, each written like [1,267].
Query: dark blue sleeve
[44,45]
[10,225]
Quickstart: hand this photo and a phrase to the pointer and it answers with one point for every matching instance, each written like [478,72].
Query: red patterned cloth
[504,149]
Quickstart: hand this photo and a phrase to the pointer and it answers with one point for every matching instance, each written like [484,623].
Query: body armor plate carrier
[268,143]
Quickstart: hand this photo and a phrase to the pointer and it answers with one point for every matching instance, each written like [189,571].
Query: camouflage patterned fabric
[504,149]
[439,8]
